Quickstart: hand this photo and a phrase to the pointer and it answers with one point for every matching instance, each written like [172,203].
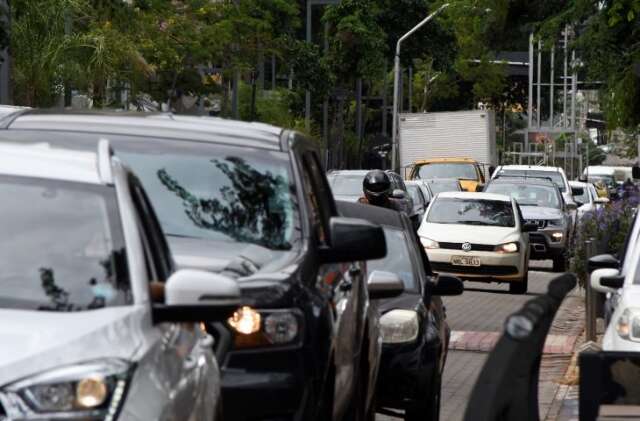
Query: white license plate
[465,261]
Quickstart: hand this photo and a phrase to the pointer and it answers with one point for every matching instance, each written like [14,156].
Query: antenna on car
[104,161]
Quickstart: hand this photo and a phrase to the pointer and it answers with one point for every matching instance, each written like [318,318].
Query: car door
[348,295]
[182,361]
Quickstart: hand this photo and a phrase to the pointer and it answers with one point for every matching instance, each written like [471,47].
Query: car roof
[161,125]
[476,196]
[375,214]
[530,168]
[41,161]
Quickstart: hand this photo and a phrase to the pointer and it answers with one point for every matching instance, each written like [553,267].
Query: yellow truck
[466,170]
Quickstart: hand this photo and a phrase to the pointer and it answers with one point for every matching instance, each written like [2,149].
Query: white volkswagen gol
[96,324]
[478,236]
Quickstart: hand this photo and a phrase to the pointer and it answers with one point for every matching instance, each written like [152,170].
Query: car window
[416,194]
[442,186]
[398,259]
[528,194]
[447,170]
[217,192]
[584,197]
[555,176]
[448,210]
[62,246]
[346,184]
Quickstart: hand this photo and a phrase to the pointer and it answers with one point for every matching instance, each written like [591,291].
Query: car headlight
[429,243]
[555,222]
[628,325]
[508,248]
[262,328]
[92,390]
[557,236]
[399,326]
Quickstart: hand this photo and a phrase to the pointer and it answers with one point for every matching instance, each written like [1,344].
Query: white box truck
[455,134]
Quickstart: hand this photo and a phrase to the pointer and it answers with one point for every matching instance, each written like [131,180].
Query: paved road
[482,308]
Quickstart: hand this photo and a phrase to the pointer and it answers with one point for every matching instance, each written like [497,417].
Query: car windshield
[398,259]
[447,210]
[415,193]
[346,184]
[447,170]
[607,180]
[62,246]
[555,176]
[216,192]
[528,194]
[443,186]
[584,197]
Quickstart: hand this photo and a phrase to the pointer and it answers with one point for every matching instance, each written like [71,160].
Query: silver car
[96,324]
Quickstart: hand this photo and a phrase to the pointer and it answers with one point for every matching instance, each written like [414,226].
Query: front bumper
[493,265]
[406,373]
[265,385]
[544,246]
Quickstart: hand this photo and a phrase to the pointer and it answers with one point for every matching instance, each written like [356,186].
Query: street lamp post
[396,78]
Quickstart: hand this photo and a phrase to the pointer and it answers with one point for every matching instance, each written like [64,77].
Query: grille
[537,238]
[474,247]
[474,270]
[541,223]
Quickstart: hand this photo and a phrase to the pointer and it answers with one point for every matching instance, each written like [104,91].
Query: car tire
[560,263]
[429,409]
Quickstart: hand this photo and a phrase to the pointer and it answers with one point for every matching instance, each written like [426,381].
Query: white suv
[96,324]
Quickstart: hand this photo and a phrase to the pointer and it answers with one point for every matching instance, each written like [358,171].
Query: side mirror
[447,285]
[577,191]
[606,280]
[582,178]
[529,227]
[197,296]
[635,172]
[383,284]
[353,240]
[398,194]
[603,261]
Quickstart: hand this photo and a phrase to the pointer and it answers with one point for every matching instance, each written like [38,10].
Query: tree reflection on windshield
[253,207]
[472,212]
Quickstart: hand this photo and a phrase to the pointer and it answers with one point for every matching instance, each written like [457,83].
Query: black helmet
[376,185]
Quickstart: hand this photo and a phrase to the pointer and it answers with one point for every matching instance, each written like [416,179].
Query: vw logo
[466,246]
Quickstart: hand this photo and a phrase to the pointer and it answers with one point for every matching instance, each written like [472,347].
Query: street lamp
[396,80]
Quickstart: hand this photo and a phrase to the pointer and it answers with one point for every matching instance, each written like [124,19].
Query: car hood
[37,341]
[539,212]
[264,275]
[459,233]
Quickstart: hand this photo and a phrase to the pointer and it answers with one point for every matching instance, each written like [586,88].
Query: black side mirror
[447,285]
[635,172]
[615,282]
[603,261]
[398,194]
[529,227]
[353,240]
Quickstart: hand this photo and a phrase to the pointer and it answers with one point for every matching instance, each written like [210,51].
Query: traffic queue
[157,264]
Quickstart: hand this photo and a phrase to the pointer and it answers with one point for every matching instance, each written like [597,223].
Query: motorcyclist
[377,191]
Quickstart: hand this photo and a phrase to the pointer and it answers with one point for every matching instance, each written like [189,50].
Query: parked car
[478,236]
[541,204]
[97,323]
[415,333]
[421,196]
[250,202]
[586,198]
[443,185]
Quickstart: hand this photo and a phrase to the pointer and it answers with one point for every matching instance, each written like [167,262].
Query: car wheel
[560,263]
[429,409]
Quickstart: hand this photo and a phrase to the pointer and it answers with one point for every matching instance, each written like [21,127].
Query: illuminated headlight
[399,326]
[628,326]
[429,243]
[508,248]
[557,236]
[93,390]
[263,328]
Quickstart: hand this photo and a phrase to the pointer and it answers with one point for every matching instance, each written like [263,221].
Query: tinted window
[416,194]
[398,259]
[444,186]
[62,247]
[217,192]
[347,185]
[448,210]
[555,176]
[447,170]
[528,194]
